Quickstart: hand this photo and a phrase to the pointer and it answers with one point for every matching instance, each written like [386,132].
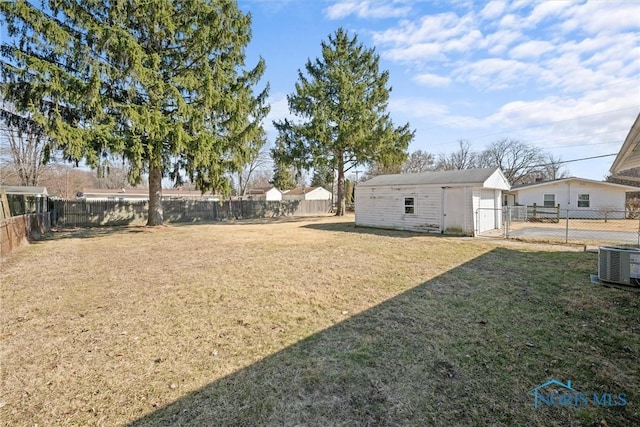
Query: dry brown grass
[294,322]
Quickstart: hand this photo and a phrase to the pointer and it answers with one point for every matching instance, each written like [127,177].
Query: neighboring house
[584,198]
[460,201]
[264,193]
[629,154]
[307,193]
[25,200]
[142,194]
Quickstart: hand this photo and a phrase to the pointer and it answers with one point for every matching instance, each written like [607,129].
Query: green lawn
[307,322]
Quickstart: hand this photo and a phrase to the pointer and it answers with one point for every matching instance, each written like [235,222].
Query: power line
[574,160]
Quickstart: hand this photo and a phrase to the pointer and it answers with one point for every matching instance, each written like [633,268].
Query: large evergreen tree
[160,83]
[341,105]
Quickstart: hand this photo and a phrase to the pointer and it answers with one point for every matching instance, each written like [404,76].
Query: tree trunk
[341,194]
[155,196]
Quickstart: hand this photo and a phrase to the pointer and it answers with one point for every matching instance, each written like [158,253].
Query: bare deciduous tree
[258,158]
[463,158]
[520,162]
[418,161]
[66,181]
[553,169]
[24,148]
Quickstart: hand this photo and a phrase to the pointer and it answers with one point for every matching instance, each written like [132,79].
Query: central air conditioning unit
[619,265]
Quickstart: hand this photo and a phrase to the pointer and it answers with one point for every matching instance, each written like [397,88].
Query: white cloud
[434,80]
[279,111]
[496,73]
[422,51]
[532,49]
[464,43]
[510,22]
[603,17]
[493,9]
[499,42]
[527,46]
[545,10]
[431,28]
[418,107]
[586,119]
[367,9]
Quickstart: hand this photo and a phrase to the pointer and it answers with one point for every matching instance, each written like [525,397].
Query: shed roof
[475,177]
[142,192]
[19,189]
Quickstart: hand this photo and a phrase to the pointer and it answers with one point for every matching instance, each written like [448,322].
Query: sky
[563,76]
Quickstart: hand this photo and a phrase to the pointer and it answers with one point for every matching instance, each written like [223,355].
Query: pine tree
[159,83]
[322,177]
[282,178]
[342,105]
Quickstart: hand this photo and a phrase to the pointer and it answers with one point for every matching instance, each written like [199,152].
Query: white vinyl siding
[385,207]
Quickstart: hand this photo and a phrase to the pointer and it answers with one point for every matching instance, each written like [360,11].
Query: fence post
[508,222]
[566,232]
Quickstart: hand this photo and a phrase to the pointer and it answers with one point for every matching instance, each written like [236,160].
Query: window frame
[410,208]
[553,201]
[587,201]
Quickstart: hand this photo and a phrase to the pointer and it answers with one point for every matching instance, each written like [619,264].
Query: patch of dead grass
[306,322]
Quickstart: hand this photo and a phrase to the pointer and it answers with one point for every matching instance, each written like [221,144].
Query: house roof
[301,190]
[260,190]
[454,177]
[629,155]
[141,192]
[19,189]
[627,188]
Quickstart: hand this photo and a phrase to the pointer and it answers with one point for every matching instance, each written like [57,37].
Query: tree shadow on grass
[461,349]
[58,233]
[257,221]
[350,227]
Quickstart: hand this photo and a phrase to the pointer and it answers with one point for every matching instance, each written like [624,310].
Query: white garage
[460,201]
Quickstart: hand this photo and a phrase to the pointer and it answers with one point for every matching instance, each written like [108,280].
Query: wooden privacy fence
[16,230]
[83,213]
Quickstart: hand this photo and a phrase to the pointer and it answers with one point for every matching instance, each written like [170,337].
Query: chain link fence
[558,225]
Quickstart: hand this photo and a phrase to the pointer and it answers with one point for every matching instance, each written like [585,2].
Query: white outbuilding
[460,201]
[307,193]
[270,194]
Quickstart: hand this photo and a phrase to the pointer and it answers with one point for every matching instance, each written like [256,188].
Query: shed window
[583,200]
[409,205]
[549,200]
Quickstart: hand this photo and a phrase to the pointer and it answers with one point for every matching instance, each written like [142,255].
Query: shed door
[453,213]
[487,213]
